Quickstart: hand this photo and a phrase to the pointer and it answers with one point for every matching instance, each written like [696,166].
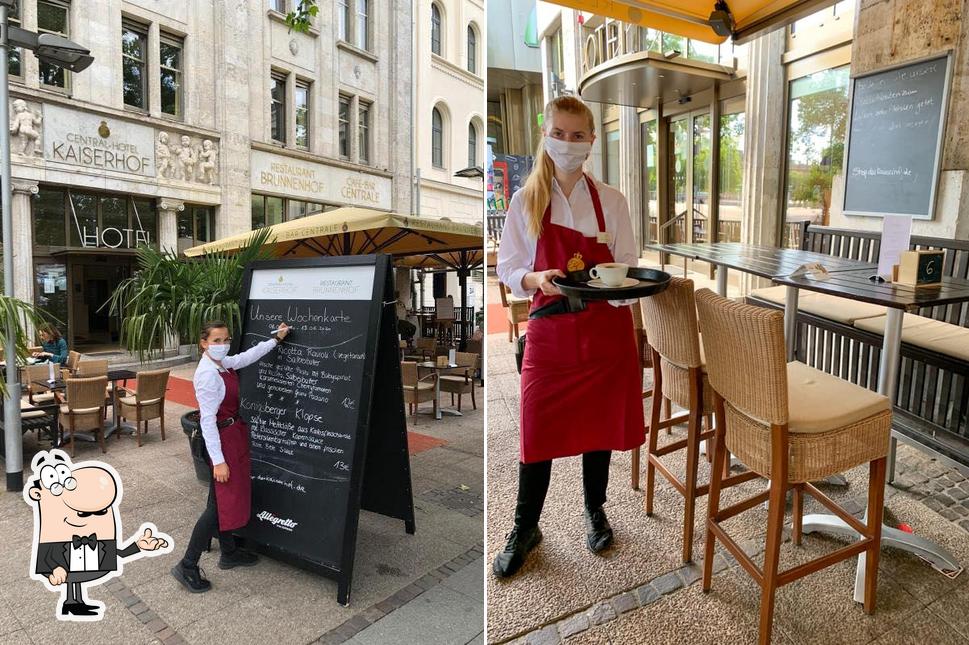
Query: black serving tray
[575,287]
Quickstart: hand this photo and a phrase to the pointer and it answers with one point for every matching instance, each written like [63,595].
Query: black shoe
[79,609]
[508,562]
[598,533]
[192,578]
[238,558]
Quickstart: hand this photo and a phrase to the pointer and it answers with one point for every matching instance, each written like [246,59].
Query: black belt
[225,423]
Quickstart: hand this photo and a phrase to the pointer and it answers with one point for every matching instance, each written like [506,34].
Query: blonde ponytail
[537,191]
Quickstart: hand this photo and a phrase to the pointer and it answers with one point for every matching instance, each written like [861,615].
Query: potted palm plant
[172,297]
[26,318]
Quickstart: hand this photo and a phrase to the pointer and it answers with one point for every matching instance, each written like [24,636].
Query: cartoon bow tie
[80,540]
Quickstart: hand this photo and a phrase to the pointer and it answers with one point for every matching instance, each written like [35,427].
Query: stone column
[763,189]
[23,238]
[168,210]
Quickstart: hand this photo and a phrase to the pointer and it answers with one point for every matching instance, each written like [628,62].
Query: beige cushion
[454,379]
[32,414]
[420,386]
[44,396]
[819,402]
[132,401]
[934,335]
[65,410]
[840,310]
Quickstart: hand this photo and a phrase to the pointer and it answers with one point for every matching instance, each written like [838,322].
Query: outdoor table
[440,369]
[847,279]
[113,376]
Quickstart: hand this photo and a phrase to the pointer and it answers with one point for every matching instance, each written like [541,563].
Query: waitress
[226,438]
[581,390]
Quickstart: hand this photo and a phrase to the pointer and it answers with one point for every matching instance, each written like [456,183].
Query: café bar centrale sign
[291,177]
[92,141]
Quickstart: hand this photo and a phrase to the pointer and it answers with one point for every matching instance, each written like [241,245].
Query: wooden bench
[844,338]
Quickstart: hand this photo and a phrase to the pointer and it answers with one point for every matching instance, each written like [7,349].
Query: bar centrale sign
[290,177]
[98,143]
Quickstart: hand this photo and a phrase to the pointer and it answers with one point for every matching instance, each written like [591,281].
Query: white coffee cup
[610,273]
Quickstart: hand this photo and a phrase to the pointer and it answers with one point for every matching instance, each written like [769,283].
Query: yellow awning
[690,18]
[413,241]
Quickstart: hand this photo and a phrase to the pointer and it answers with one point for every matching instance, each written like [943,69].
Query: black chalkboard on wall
[895,139]
[325,410]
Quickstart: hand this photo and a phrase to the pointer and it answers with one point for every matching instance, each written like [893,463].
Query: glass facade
[731,175]
[815,143]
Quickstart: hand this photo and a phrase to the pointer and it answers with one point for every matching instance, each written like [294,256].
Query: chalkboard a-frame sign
[895,138]
[325,409]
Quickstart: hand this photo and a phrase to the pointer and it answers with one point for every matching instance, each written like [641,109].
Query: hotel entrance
[93,276]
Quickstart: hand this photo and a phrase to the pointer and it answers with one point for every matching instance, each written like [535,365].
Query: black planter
[193,430]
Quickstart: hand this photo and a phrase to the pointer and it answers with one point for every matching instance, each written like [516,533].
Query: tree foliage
[300,18]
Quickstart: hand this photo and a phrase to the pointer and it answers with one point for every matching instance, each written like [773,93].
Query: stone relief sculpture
[208,160]
[25,126]
[186,160]
[163,156]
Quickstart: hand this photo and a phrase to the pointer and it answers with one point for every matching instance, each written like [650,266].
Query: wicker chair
[645,362]
[417,389]
[147,403]
[793,424]
[444,319]
[38,394]
[461,384]
[73,358]
[679,374]
[84,408]
[88,368]
[516,310]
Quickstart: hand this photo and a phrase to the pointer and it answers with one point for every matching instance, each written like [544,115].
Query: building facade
[197,120]
[791,86]
[448,120]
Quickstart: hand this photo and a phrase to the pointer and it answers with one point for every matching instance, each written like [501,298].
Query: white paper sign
[896,235]
[49,285]
[313,283]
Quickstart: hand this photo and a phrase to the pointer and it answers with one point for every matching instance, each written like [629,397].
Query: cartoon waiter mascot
[77,529]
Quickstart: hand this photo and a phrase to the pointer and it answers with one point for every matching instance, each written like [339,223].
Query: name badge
[603,237]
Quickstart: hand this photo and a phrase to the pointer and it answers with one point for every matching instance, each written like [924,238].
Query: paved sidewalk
[401,582]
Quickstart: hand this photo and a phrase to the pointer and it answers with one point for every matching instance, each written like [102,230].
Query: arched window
[472,50]
[436,29]
[472,145]
[437,139]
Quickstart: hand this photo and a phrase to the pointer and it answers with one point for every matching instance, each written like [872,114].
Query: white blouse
[516,253]
[210,390]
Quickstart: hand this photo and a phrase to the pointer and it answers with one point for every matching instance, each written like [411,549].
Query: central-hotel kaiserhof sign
[93,142]
[315,182]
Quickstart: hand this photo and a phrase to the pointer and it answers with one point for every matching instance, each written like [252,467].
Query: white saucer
[626,283]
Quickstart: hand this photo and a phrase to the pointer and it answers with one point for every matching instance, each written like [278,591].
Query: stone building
[197,120]
[448,117]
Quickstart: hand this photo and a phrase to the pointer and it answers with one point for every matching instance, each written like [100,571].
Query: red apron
[581,384]
[233,498]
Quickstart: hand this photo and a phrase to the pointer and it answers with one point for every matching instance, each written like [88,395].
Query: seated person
[54,347]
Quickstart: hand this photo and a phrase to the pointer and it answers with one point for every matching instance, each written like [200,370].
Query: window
[612,158]
[194,227]
[296,209]
[268,210]
[436,29]
[472,50]
[134,81]
[170,67]
[49,219]
[344,126]
[278,5]
[437,139]
[363,131]
[343,19]
[362,34]
[731,175]
[472,146]
[14,56]
[52,18]
[302,115]
[277,108]
[815,147]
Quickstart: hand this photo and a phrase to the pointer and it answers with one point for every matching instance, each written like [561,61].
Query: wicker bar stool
[792,424]
[679,375]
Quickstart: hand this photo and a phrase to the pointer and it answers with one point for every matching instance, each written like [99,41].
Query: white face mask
[218,352]
[566,155]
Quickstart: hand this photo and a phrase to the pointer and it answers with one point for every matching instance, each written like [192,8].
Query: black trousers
[533,480]
[206,528]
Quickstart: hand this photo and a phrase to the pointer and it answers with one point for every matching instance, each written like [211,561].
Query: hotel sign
[315,182]
[607,41]
[96,143]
